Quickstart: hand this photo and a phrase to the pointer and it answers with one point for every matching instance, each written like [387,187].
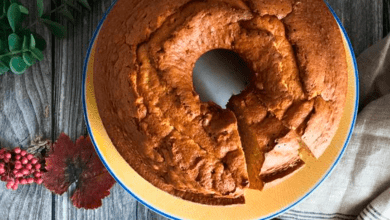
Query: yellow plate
[259,205]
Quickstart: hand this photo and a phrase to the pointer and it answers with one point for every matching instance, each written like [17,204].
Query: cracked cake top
[146,52]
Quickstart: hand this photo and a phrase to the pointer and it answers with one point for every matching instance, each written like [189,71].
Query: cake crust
[198,151]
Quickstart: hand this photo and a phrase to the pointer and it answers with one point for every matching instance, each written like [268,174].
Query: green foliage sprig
[21,48]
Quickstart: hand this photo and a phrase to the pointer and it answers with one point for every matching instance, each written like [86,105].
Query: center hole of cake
[219,74]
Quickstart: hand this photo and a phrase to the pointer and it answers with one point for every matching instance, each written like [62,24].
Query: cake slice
[271,149]
[283,160]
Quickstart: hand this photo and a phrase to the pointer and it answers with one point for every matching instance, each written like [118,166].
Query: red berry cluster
[19,167]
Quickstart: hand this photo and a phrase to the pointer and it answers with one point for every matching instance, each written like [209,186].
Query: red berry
[1,156]
[24,160]
[15,171]
[8,155]
[34,160]
[15,187]
[25,171]
[17,157]
[2,164]
[19,175]
[18,166]
[30,156]
[29,166]
[9,185]
[30,180]
[6,160]
[3,178]
[2,170]
[37,166]
[38,180]
[17,150]
[37,174]
[23,152]
[23,181]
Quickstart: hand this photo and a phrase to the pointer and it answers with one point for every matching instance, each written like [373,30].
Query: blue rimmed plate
[259,205]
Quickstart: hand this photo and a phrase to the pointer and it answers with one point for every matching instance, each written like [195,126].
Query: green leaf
[67,14]
[14,42]
[27,33]
[70,4]
[40,7]
[85,4]
[6,60]
[40,42]
[37,54]
[17,64]
[3,68]
[14,17]
[23,9]
[57,29]
[32,42]
[5,6]
[25,43]
[46,16]
[28,59]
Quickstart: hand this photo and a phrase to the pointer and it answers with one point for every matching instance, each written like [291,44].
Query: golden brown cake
[146,52]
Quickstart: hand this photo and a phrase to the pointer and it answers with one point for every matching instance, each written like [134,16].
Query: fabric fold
[359,186]
[379,208]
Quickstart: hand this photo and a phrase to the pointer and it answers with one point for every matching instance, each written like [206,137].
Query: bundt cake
[145,55]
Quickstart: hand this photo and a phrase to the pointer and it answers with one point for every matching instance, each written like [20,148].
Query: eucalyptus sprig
[21,48]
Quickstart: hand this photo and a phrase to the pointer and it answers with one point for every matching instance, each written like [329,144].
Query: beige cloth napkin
[359,186]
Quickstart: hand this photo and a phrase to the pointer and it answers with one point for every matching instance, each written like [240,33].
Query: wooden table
[46,101]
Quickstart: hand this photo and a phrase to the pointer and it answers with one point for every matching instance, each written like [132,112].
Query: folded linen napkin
[359,186]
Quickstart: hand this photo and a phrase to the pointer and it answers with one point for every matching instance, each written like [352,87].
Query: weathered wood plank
[119,205]
[363,20]
[144,213]
[23,101]
[362,35]
[69,58]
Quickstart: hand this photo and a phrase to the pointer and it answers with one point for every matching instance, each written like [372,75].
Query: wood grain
[362,38]
[23,100]
[68,115]
[362,19]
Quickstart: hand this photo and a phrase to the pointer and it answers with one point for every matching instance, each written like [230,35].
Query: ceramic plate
[259,205]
